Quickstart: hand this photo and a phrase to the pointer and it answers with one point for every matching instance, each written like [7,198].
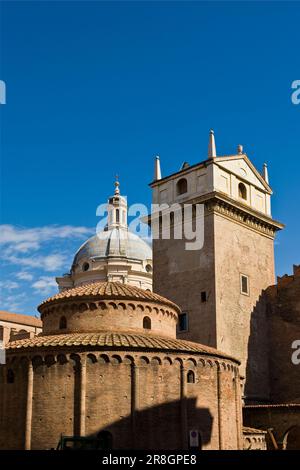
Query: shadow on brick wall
[257,367]
[166,426]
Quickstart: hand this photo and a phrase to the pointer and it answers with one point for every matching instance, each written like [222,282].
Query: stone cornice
[224,205]
[220,203]
[241,213]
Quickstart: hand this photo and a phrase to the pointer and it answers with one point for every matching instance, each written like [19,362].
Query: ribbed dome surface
[111,339]
[117,242]
[108,290]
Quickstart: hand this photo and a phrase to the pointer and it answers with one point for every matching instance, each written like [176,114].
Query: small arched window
[242,191]
[181,186]
[63,323]
[117,216]
[85,267]
[147,323]
[10,377]
[190,377]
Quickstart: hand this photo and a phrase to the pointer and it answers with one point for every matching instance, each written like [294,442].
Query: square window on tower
[244,284]
[203,296]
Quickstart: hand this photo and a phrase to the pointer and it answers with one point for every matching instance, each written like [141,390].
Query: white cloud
[13,303]
[32,252]
[12,298]
[45,284]
[33,237]
[9,285]
[12,306]
[18,241]
[24,247]
[53,262]
[47,263]
[24,276]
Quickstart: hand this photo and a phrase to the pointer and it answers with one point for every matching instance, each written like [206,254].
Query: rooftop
[107,290]
[116,339]
[20,319]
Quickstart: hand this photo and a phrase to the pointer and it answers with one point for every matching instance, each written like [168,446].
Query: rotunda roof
[116,339]
[107,290]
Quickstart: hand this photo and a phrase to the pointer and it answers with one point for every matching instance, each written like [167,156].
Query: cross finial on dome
[117,184]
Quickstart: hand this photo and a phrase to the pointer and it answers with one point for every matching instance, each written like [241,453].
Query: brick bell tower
[219,287]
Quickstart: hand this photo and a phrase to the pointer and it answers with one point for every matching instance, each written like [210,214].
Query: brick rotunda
[108,361]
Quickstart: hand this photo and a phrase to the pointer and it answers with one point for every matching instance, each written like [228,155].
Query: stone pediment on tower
[243,168]
[237,177]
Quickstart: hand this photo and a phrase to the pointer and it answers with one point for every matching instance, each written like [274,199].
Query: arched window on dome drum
[117,216]
[181,186]
[147,323]
[242,191]
[63,323]
[190,377]
[10,376]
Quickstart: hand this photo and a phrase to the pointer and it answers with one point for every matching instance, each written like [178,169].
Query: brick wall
[143,399]
[283,316]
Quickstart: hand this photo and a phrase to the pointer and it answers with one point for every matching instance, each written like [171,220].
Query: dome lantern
[117,209]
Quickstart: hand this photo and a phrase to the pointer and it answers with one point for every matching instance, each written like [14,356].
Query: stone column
[134,400]
[238,410]
[28,422]
[82,396]
[6,334]
[219,396]
[183,410]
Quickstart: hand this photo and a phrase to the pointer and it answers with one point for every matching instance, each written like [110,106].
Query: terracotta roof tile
[112,339]
[19,318]
[108,290]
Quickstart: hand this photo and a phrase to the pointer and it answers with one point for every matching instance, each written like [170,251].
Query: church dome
[117,242]
[114,254]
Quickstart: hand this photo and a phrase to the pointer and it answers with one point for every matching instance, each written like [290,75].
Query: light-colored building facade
[254,439]
[16,326]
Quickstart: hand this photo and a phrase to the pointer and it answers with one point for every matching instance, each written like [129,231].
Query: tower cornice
[241,213]
[220,203]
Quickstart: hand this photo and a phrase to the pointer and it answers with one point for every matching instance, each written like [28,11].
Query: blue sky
[95,89]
